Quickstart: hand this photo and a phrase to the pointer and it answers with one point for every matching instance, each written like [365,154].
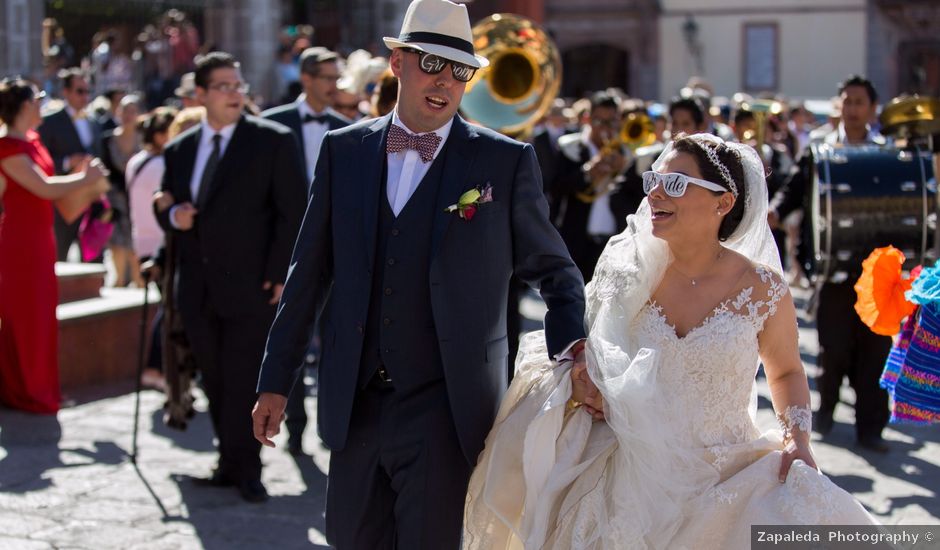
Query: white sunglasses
[675,184]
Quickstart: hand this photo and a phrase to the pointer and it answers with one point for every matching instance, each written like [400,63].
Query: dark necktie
[209,172]
[314,118]
[424,144]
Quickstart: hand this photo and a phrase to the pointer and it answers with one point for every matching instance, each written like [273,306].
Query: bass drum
[866,197]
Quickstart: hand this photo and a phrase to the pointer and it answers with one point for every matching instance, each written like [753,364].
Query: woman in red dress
[29,371]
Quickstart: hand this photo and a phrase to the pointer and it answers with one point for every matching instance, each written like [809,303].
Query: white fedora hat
[439,27]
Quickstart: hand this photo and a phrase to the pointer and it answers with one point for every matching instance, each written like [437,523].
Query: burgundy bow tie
[424,144]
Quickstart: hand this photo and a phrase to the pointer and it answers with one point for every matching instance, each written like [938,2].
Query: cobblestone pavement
[68,482]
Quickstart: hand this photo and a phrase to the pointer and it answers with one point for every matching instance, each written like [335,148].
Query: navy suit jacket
[60,137]
[470,267]
[289,115]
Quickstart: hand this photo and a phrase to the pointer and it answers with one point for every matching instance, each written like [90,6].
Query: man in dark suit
[414,285]
[238,189]
[69,134]
[593,199]
[847,347]
[310,118]
[312,115]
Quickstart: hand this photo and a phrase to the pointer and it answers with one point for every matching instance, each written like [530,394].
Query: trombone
[636,131]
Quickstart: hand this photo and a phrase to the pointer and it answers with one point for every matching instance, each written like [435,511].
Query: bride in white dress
[652,443]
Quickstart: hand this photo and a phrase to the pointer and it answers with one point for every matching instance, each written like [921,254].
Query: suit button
[394,232]
[391,261]
[205,261]
[388,292]
[386,321]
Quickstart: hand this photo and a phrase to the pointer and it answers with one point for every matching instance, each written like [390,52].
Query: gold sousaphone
[523,77]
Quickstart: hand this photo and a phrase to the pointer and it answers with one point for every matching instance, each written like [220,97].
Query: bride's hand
[583,389]
[795,451]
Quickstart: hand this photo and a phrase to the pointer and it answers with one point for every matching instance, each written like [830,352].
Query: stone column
[20,37]
[248,29]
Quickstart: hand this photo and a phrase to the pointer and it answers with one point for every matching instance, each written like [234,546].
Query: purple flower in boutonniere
[468,203]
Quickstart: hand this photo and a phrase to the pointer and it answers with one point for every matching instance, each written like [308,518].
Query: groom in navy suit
[416,224]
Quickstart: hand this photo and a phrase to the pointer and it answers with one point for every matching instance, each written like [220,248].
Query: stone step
[99,337]
[79,281]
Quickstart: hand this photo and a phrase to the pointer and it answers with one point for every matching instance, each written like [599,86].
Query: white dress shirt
[82,126]
[405,169]
[601,221]
[313,134]
[204,149]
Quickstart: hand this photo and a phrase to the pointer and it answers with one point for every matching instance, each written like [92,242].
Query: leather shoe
[217,479]
[874,443]
[253,491]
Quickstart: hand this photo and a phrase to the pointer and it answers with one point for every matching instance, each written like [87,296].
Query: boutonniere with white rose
[469,202]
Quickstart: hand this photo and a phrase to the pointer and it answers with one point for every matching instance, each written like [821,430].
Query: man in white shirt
[312,115]
[238,189]
[416,223]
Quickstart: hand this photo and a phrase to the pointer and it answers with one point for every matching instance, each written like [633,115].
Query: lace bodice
[710,371]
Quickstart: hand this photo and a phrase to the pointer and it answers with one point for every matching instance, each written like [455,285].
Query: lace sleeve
[767,295]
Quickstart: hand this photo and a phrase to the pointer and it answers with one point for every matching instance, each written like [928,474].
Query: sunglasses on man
[675,184]
[433,64]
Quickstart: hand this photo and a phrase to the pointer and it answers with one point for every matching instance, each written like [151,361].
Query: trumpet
[636,131]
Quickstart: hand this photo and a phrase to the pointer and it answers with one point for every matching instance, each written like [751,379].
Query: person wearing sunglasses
[238,190]
[417,222]
[685,305]
[70,135]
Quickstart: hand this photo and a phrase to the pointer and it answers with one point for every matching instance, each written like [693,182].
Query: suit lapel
[373,147]
[188,148]
[457,163]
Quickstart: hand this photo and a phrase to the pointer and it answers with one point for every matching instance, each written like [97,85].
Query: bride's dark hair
[731,160]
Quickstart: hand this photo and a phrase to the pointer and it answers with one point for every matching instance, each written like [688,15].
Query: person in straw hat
[417,222]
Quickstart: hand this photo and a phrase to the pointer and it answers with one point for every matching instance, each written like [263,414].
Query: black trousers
[228,354]
[849,348]
[65,235]
[401,480]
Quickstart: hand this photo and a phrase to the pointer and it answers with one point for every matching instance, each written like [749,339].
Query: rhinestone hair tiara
[725,173]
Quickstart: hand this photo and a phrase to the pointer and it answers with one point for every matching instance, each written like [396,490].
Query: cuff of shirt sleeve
[571,351]
[172,217]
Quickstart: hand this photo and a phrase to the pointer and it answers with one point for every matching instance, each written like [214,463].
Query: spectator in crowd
[686,116]
[186,91]
[117,147]
[312,115]
[847,347]
[144,175]
[591,201]
[107,118]
[29,368]
[70,136]
[385,94]
[237,184]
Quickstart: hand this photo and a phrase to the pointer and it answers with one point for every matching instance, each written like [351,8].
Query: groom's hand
[583,389]
[267,415]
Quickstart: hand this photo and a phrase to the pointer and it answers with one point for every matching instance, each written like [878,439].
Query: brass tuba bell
[762,110]
[911,116]
[523,77]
